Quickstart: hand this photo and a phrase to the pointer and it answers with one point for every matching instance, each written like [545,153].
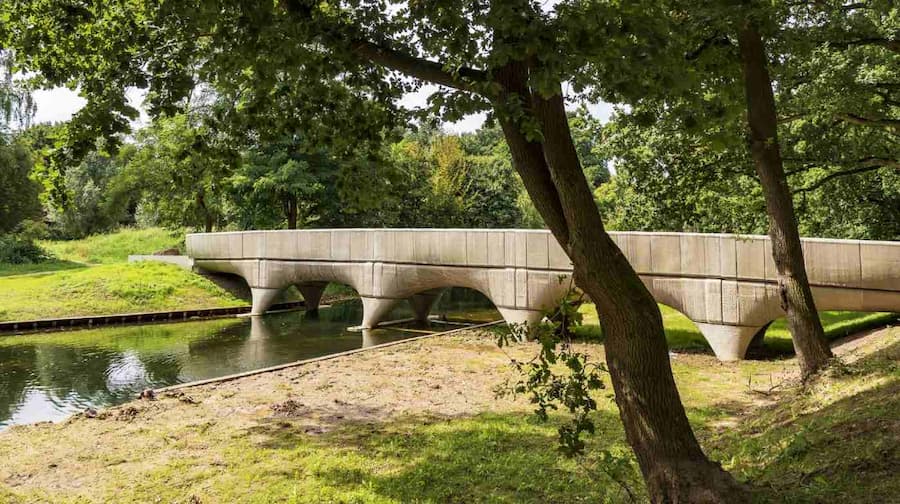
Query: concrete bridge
[724,283]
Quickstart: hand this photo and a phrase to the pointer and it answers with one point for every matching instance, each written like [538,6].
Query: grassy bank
[115,247]
[421,422]
[683,335]
[109,248]
[108,289]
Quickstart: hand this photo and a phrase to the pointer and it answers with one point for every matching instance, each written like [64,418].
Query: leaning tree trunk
[673,464]
[793,285]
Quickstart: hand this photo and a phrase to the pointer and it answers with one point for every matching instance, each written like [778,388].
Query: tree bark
[290,208]
[674,466]
[793,284]
[208,220]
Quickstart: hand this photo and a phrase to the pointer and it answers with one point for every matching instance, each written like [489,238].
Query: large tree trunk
[656,426]
[793,285]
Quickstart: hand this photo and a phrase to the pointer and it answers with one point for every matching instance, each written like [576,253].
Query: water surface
[49,376]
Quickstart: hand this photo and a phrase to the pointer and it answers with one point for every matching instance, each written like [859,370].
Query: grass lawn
[420,422]
[108,289]
[682,333]
[115,247]
[99,249]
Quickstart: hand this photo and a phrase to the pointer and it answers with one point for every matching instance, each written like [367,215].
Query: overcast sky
[59,104]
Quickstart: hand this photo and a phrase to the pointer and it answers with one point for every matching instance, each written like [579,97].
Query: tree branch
[716,40]
[866,121]
[889,44]
[868,165]
[381,54]
[463,78]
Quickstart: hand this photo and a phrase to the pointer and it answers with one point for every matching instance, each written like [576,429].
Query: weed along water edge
[49,376]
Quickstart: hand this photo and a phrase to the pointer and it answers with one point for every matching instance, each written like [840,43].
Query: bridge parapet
[725,283]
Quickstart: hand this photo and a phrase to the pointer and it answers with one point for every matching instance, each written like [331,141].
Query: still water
[49,376]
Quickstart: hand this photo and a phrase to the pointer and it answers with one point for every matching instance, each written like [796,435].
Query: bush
[15,249]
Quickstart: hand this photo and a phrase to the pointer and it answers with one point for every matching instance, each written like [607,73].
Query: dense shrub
[15,249]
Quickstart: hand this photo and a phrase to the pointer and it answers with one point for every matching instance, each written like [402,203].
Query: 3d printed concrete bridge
[724,283]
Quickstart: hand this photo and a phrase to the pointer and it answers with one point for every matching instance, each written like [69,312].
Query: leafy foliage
[16,249]
[18,191]
[559,375]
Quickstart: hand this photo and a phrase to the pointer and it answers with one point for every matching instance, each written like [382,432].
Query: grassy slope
[108,289]
[835,440]
[683,334]
[115,247]
[100,249]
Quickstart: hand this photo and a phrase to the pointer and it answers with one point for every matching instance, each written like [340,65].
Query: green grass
[146,338]
[108,289]
[7,269]
[682,333]
[835,440]
[115,247]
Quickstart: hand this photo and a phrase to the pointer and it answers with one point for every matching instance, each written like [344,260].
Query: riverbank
[422,421]
[109,289]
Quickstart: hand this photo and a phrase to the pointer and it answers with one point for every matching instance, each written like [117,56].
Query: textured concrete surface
[724,283]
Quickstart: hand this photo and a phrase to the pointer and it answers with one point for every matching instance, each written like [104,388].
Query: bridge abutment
[729,342]
[424,302]
[375,309]
[520,316]
[312,294]
[263,298]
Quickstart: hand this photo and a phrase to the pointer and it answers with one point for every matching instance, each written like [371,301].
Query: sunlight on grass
[108,289]
[682,333]
[115,247]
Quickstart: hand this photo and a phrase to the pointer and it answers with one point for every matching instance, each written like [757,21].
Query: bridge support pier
[729,342]
[519,316]
[424,302]
[375,309]
[312,294]
[262,299]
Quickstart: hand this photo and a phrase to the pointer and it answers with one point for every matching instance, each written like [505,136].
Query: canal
[49,376]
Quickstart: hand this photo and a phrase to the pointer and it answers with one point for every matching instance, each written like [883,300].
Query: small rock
[148,394]
[90,413]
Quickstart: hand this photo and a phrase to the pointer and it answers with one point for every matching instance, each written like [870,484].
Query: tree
[793,284]
[282,177]
[181,170]
[722,88]
[18,192]
[509,57]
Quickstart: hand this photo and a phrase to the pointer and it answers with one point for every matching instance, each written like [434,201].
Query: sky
[60,104]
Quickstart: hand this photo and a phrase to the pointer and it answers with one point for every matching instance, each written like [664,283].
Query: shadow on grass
[847,451]
[7,269]
[489,457]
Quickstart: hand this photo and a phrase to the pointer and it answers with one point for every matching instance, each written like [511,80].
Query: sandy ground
[445,376]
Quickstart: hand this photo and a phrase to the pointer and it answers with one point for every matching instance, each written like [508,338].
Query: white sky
[59,104]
